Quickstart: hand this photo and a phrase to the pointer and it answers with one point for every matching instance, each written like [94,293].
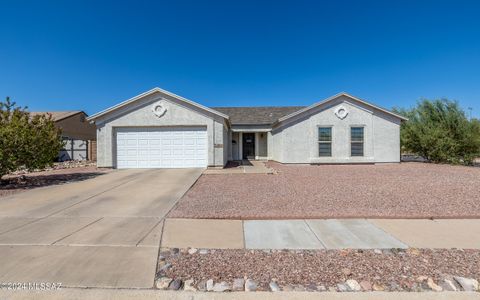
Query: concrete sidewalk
[321,234]
[119,294]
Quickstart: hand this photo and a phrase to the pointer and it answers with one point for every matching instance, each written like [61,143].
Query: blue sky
[89,55]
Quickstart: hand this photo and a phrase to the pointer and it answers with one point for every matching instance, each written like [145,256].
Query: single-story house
[158,129]
[78,134]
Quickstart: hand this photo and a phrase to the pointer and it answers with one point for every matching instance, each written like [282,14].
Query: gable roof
[57,115]
[325,101]
[260,115]
[148,93]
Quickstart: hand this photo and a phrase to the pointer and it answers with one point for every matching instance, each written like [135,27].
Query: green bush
[440,132]
[26,141]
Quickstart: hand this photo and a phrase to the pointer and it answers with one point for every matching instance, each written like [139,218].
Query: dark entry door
[248,145]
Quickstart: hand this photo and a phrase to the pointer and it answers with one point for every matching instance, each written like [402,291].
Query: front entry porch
[249,146]
[243,166]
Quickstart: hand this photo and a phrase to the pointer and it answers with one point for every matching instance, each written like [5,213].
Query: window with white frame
[356,141]
[324,141]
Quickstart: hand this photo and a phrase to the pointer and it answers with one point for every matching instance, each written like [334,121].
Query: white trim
[252,130]
[148,93]
[306,109]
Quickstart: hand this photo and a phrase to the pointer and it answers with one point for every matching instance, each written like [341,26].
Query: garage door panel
[161,147]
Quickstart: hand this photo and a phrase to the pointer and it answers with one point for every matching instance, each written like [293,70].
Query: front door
[248,145]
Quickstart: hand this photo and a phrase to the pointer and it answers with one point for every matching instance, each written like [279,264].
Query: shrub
[439,131]
[26,141]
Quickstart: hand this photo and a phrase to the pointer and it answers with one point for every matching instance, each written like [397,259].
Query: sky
[89,55]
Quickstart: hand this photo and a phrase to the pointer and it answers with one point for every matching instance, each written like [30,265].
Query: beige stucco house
[158,129]
[78,135]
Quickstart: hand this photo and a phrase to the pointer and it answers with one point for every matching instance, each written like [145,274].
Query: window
[325,141]
[356,141]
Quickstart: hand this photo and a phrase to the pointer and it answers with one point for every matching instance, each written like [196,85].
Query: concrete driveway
[103,232]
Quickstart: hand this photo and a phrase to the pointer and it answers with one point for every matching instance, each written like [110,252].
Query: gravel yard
[390,270]
[406,190]
[60,173]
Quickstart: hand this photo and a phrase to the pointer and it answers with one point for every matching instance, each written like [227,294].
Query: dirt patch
[406,190]
[392,270]
[12,184]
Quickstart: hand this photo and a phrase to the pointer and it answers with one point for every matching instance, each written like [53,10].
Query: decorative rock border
[422,283]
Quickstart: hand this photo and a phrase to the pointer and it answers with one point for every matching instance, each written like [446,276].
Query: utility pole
[470,111]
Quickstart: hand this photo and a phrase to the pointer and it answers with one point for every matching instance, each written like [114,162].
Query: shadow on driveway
[15,184]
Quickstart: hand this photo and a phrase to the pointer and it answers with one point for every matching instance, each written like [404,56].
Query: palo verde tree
[439,131]
[31,142]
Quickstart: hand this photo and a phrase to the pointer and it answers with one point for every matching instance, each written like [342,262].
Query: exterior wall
[235,147]
[226,144]
[262,145]
[76,127]
[269,145]
[387,138]
[139,114]
[297,141]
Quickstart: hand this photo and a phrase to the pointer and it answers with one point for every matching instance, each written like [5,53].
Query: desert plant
[31,142]
[439,131]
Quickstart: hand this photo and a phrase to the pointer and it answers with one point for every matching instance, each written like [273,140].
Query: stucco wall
[262,145]
[139,114]
[297,140]
[235,151]
[76,127]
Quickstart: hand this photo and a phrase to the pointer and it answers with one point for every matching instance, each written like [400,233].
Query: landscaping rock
[311,287]
[250,285]
[164,266]
[421,278]
[299,288]
[192,250]
[188,286]
[175,285]
[321,288]
[175,251]
[202,286]
[342,287]
[366,285]
[377,251]
[353,285]
[203,251]
[163,283]
[378,287]
[346,271]
[433,286]
[274,287]
[209,285]
[221,287]
[448,285]
[238,284]
[468,284]
[288,288]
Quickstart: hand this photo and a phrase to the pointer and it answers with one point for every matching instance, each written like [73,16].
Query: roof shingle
[56,115]
[259,115]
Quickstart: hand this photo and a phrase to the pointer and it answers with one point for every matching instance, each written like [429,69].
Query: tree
[32,142]
[440,131]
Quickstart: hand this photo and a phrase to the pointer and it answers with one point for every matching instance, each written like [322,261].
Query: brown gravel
[393,269]
[12,184]
[406,190]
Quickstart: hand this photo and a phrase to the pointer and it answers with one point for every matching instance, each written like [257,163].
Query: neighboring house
[158,129]
[78,134]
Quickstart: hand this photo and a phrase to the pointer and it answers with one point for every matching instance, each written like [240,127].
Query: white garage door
[172,147]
